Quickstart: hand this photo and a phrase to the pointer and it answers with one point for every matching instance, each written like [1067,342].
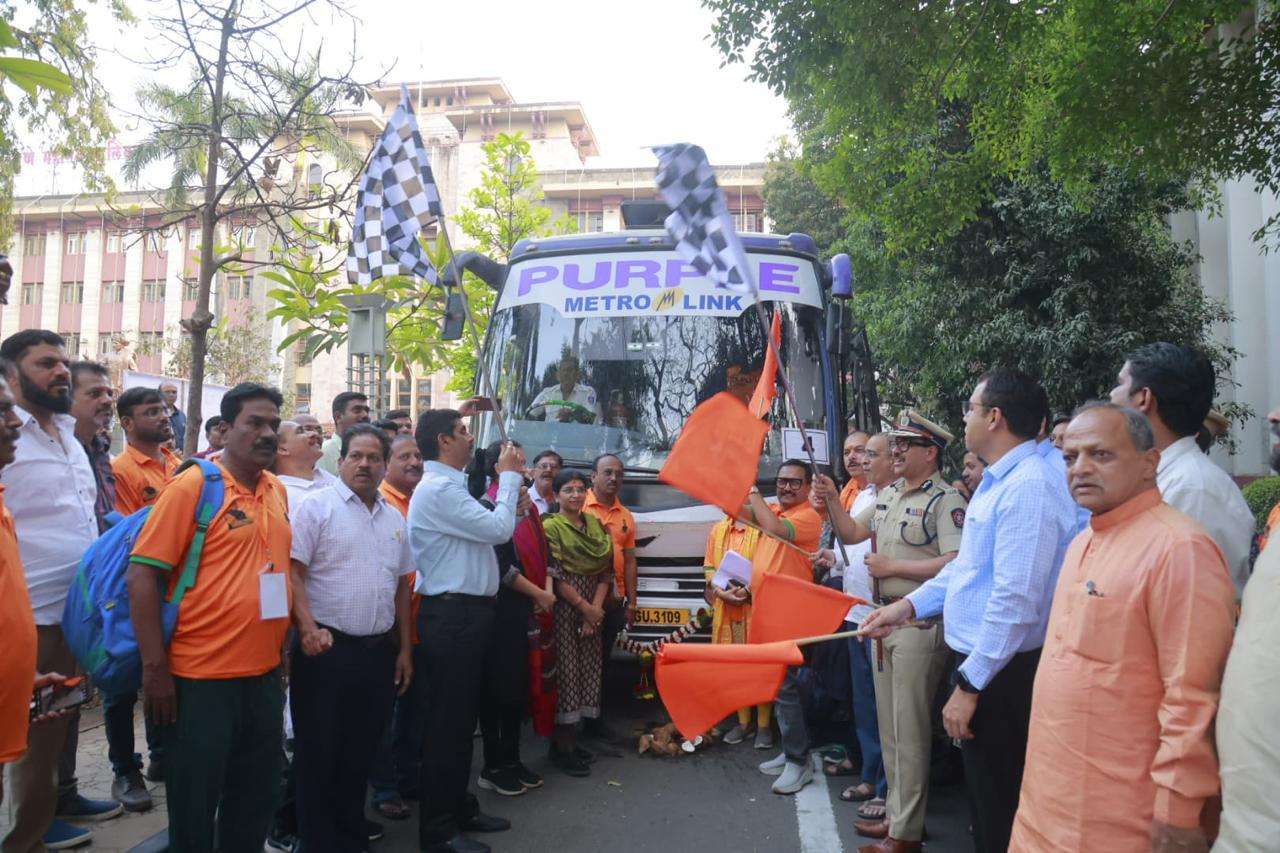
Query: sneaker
[77,807]
[764,738]
[62,835]
[795,776]
[282,841]
[500,781]
[155,770]
[526,776]
[774,766]
[131,792]
[737,734]
[373,828]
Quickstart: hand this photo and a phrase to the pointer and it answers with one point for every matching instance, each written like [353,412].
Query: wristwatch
[966,685]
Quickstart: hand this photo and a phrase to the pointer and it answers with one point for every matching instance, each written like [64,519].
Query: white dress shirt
[543,505]
[452,535]
[584,395]
[51,493]
[299,489]
[857,580]
[354,558]
[1191,482]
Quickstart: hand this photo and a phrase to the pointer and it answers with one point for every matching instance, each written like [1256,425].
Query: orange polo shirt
[850,492]
[621,524]
[400,501]
[220,631]
[139,478]
[773,557]
[18,627]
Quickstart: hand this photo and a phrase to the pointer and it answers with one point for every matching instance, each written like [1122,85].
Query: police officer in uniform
[915,525]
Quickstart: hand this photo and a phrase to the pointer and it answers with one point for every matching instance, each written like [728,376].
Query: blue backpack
[95,620]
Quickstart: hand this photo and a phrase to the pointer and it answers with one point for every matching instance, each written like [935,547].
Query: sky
[644,71]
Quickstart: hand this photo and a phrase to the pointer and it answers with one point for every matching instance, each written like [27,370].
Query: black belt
[888,599]
[462,597]
[368,641]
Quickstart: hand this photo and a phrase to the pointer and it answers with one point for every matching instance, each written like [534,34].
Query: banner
[634,284]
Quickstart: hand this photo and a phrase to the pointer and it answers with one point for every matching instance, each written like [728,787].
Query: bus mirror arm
[483,267]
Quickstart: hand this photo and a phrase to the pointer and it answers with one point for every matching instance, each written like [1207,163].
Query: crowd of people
[363,604]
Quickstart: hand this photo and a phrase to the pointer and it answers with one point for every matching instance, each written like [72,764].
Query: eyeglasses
[791,483]
[904,443]
[969,406]
[311,428]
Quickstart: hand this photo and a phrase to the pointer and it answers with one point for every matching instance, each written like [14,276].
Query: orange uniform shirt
[139,478]
[400,501]
[1271,527]
[220,631]
[1125,696]
[621,524]
[18,628]
[773,557]
[850,491]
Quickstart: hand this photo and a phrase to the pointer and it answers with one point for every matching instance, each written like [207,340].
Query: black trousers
[454,632]
[615,619]
[996,755]
[340,701]
[506,680]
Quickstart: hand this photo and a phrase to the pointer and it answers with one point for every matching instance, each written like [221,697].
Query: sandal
[394,809]
[874,809]
[843,767]
[858,793]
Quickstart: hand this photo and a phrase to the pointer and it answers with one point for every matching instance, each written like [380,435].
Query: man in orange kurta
[855,454]
[793,531]
[1120,755]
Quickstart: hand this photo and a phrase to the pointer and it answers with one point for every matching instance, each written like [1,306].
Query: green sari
[576,551]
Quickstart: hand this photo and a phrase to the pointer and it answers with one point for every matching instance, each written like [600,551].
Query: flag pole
[791,545]
[822,638]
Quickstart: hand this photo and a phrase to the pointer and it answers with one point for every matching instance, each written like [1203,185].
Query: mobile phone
[52,698]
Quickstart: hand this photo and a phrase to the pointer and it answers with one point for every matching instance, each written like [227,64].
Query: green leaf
[32,74]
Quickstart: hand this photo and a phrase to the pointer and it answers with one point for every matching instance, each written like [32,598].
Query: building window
[72,292]
[150,343]
[72,340]
[153,290]
[190,289]
[404,390]
[589,221]
[746,220]
[301,396]
[33,244]
[244,235]
[106,344]
[113,242]
[31,293]
[112,292]
[424,394]
[75,243]
[155,242]
[193,239]
[239,287]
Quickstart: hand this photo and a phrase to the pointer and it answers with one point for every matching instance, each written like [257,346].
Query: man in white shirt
[51,492]
[296,459]
[350,549]
[1173,386]
[349,408]
[543,472]
[570,400]
[452,537]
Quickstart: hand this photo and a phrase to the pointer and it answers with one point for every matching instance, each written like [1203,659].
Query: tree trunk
[202,318]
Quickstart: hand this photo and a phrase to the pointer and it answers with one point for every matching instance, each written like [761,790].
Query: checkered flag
[398,197]
[699,222]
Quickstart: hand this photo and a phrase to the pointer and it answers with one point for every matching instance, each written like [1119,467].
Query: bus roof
[652,238]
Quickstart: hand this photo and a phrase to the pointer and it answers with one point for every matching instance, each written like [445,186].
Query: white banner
[633,284]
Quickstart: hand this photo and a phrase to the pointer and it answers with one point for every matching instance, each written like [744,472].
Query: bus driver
[569,400]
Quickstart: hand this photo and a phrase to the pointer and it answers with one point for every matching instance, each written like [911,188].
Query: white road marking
[816,818]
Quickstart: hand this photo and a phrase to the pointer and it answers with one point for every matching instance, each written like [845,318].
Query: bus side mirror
[454,316]
[841,276]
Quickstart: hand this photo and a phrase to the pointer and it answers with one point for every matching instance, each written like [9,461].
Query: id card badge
[273,594]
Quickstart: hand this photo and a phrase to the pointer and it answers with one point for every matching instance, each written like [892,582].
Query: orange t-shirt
[139,478]
[1273,523]
[18,627]
[773,557]
[621,524]
[220,631]
[850,492]
[400,501]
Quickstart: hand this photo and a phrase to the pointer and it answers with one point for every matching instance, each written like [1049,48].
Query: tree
[921,111]
[50,59]
[504,209]
[794,202]
[254,103]
[235,354]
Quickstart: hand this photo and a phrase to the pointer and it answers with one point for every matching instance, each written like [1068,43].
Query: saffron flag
[767,386]
[716,458]
[786,608]
[702,684]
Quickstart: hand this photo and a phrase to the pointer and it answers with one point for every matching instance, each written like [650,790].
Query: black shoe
[458,844]
[526,776]
[481,822]
[597,730]
[373,828]
[500,781]
[155,770]
[569,763]
[586,756]
[283,841]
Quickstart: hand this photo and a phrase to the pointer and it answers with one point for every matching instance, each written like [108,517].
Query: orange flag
[767,385]
[701,684]
[717,456]
[786,608]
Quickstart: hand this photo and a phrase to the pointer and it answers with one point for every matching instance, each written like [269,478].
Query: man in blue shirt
[995,595]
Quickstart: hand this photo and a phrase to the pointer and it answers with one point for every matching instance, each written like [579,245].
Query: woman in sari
[581,559]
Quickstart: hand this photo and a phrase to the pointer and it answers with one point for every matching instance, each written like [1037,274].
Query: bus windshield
[583,386]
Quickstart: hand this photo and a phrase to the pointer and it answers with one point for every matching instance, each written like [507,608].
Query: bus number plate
[665,616]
